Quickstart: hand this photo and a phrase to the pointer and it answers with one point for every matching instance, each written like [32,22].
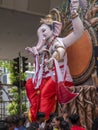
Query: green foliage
[6,64]
[14,107]
[18,95]
[13,78]
[16,78]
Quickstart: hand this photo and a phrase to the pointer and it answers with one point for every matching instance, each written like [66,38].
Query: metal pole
[19,87]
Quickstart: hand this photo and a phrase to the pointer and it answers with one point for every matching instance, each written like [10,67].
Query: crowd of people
[54,122]
[14,122]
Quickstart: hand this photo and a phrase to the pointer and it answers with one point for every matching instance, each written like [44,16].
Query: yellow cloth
[55,129]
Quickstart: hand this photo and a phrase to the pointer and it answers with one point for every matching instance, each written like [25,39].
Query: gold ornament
[47,20]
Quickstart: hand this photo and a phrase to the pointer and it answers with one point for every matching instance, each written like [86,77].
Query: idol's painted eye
[43,30]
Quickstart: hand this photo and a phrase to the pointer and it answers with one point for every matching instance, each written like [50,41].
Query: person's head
[10,122]
[56,121]
[13,121]
[23,120]
[52,115]
[33,126]
[64,125]
[40,117]
[74,119]
[48,125]
[16,120]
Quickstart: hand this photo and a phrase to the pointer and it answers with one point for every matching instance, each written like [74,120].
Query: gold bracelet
[60,47]
[47,52]
[74,15]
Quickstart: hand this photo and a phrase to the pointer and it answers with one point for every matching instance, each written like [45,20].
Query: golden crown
[47,20]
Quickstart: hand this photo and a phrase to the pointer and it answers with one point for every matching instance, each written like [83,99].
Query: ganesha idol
[51,81]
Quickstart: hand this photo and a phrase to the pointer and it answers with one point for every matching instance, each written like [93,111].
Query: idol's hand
[32,50]
[74,6]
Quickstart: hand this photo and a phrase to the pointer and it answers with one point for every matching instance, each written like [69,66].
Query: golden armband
[57,55]
[74,15]
[60,47]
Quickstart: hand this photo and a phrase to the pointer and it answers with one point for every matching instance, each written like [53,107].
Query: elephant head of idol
[48,29]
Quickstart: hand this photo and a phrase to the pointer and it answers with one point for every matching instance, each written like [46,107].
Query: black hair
[16,119]
[74,118]
[59,118]
[33,126]
[52,115]
[13,119]
[40,115]
[64,125]
[48,125]
[23,119]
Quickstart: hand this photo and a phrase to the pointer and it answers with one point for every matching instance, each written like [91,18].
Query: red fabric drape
[34,98]
[44,99]
[48,96]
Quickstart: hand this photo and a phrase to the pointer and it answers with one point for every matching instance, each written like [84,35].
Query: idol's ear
[57,26]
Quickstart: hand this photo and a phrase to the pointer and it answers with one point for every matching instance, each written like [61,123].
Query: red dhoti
[43,99]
